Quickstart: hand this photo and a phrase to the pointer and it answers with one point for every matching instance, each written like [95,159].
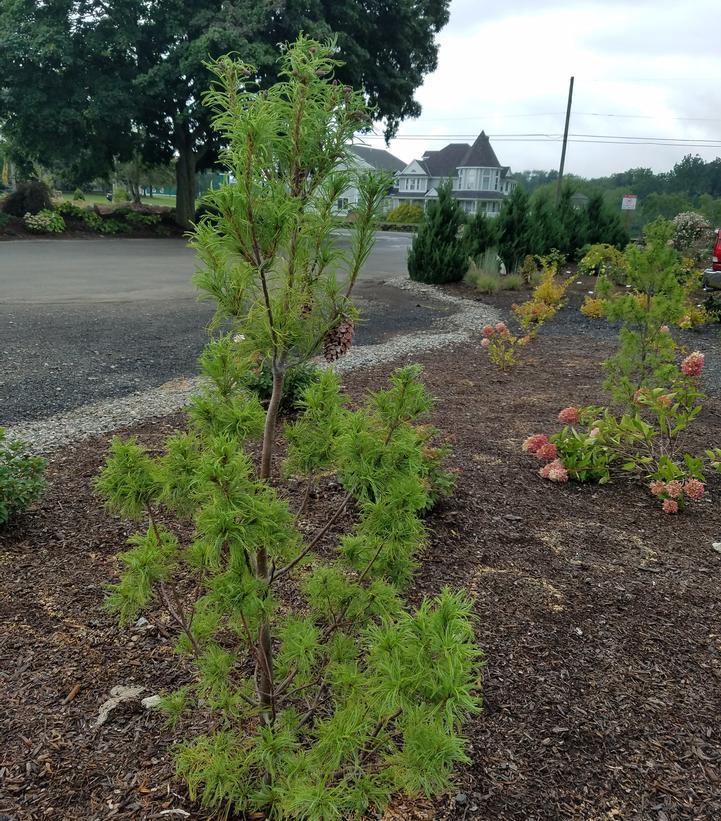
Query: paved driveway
[82,320]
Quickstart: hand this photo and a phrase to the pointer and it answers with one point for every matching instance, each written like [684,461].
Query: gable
[414,168]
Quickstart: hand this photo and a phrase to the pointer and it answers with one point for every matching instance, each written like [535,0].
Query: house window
[342,203]
[486,180]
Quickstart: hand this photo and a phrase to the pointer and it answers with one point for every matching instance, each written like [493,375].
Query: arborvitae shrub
[317,693]
[29,198]
[478,236]
[438,253]
[513,229]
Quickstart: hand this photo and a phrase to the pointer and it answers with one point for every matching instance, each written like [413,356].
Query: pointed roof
[480,154]
[443,163]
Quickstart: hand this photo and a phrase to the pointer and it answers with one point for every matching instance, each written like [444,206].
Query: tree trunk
[264,668]
[185,179]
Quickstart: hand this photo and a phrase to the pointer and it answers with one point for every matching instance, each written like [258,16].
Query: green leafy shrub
[109,225]
[21,478]
[78,194]
[5,219]
[406,212]
[71,211]
[604,260]
[120,194]
[259,380]
[28,198]
[437,254]
[323,695]
[138,219]
[45,222]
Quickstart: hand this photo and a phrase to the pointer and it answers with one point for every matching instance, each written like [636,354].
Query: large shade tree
[83,81]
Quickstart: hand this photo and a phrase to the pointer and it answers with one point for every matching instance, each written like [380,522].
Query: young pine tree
[514,229]
[438,253]
[320,692]
[645,358]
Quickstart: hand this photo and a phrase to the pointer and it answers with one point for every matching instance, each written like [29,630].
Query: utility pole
[565,141]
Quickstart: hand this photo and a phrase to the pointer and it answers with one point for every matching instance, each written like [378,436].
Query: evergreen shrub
[438,254]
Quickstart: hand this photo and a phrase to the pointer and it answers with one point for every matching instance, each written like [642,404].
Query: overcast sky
[504,67]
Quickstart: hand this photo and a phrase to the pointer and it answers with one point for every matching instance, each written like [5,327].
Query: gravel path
[464,318]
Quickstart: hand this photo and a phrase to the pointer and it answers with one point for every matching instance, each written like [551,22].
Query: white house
[365,159]
[479,181]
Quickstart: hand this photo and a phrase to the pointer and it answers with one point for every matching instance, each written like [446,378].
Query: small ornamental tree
[654,300]
[514,229]
[322,694]
[437,254]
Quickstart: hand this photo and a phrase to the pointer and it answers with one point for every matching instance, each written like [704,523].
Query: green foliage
[71,211]
[479,236]
[603,225]
[514,229]
[406,213]
[45,222]
[438,254]
[486,282]
[326,694]
[260,381]
[5,219]
[654,301]
[120,194]
[604,260]
[28,198]
[21,478]
[140,220]
[78,194]
[545,228]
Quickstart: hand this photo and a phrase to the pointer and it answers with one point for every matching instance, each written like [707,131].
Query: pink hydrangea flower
[547,453]
[670,506]
[485,342]
[694,489]
[502,328]
[558,473]
[595,433]
[488,330]
[674,489]
[555,471]
[665,329]
[658,488]
[665,400]
[569,416]
[533,443]
[693,364]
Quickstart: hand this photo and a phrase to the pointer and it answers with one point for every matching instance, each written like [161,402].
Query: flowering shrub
[604,260]
[44,222]
[646,442]
[503,346]
[692,234]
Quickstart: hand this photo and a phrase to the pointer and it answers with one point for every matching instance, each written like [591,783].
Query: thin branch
[284,570]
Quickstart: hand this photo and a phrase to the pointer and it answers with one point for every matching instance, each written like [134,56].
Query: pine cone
[338,340]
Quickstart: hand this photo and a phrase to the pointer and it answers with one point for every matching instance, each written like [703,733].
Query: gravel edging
[47,435]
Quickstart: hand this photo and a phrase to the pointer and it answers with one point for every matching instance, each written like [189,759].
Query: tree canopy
[86,81]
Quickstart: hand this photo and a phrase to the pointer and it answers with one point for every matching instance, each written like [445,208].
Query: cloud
[504,68]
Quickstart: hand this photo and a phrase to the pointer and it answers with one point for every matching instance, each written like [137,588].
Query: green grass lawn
[99,199]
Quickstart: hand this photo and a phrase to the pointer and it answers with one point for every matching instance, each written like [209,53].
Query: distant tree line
[691,185]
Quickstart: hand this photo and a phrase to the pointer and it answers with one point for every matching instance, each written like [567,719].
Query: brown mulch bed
[599,617]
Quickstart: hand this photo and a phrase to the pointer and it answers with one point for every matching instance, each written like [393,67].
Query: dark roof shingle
[380,160]
[480,154]
[443,163]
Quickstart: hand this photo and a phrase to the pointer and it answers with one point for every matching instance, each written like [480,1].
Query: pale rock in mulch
[119,694]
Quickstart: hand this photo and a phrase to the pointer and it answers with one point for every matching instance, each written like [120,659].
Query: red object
[716,259]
